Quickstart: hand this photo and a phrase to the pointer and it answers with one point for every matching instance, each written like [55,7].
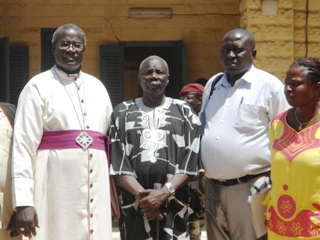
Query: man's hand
[152,201]
[27,221]
[154,215]
[12,226]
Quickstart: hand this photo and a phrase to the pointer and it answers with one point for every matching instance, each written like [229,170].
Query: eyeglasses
[77,46]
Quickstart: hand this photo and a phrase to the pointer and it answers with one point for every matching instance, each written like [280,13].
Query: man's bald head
[246,35]
[154,57]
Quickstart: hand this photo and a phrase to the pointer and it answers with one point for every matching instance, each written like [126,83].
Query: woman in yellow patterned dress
[294,201]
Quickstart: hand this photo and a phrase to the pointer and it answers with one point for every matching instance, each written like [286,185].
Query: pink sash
[66,139]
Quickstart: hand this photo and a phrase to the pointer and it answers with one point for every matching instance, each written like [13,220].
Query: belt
[230,182]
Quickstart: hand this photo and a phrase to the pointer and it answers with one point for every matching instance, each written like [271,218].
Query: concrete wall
[281,38]
[306,44]
[199,23]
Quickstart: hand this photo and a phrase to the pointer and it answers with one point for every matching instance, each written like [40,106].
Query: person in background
[294,200]
[60,169]
[235,143]
[155,144]
[7,216]
[192,94]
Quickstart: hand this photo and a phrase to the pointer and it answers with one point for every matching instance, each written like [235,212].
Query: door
[14,70]
[119,65]
[4,69]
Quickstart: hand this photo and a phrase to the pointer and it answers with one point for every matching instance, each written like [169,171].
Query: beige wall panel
[313,49]
[91,65]
[274,48]
[299,49]
[314,18]
[25,36]
[299,4]
[271,32]
[283,17]
[200,25]
[244,20]
[314,34]
[212,9]
[91,51]
[149,34]
[34,65]
[274,63]
[299,18]
[314,5]
[299,34]
[98,36]
[137,3]
[204,36]
[288,4]
[275,66]
[23,22]
[53,10]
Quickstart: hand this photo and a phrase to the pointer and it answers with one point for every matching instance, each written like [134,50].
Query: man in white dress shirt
[235,144]
[60,169]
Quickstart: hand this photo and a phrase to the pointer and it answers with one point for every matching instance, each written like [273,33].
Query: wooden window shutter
[112,71]
[4,69]
[19,71]
[47,58]
[181,69]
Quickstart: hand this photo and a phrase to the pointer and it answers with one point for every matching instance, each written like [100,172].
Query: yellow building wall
[281,38]
[307,44]
[1,18]
[200,24]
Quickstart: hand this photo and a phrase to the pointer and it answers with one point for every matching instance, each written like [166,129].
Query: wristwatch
[170,189]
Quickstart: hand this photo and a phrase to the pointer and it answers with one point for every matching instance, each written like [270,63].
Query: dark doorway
[133,56]
[14,70]
[120,65]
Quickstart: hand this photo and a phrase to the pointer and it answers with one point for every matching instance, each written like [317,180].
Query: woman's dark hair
[313,66]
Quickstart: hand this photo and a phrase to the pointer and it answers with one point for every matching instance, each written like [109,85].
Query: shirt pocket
[247,117]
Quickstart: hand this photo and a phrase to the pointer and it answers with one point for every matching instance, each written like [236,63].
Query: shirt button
[87,127]
[91,200]
[82,100]
[91,231]
[91,215]
[217,137]
[91,170]
[91,185]
[84,114]
[91,155]
[221,121]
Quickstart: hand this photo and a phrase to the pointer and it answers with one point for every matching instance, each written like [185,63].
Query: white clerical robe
[69,188]
[6,211]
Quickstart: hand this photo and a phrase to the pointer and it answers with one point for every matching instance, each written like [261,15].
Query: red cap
[192,88]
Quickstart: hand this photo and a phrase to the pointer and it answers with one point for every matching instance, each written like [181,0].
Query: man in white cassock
[7,217]
[60,168]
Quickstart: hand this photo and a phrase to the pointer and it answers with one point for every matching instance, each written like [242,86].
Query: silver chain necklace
[83,139]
